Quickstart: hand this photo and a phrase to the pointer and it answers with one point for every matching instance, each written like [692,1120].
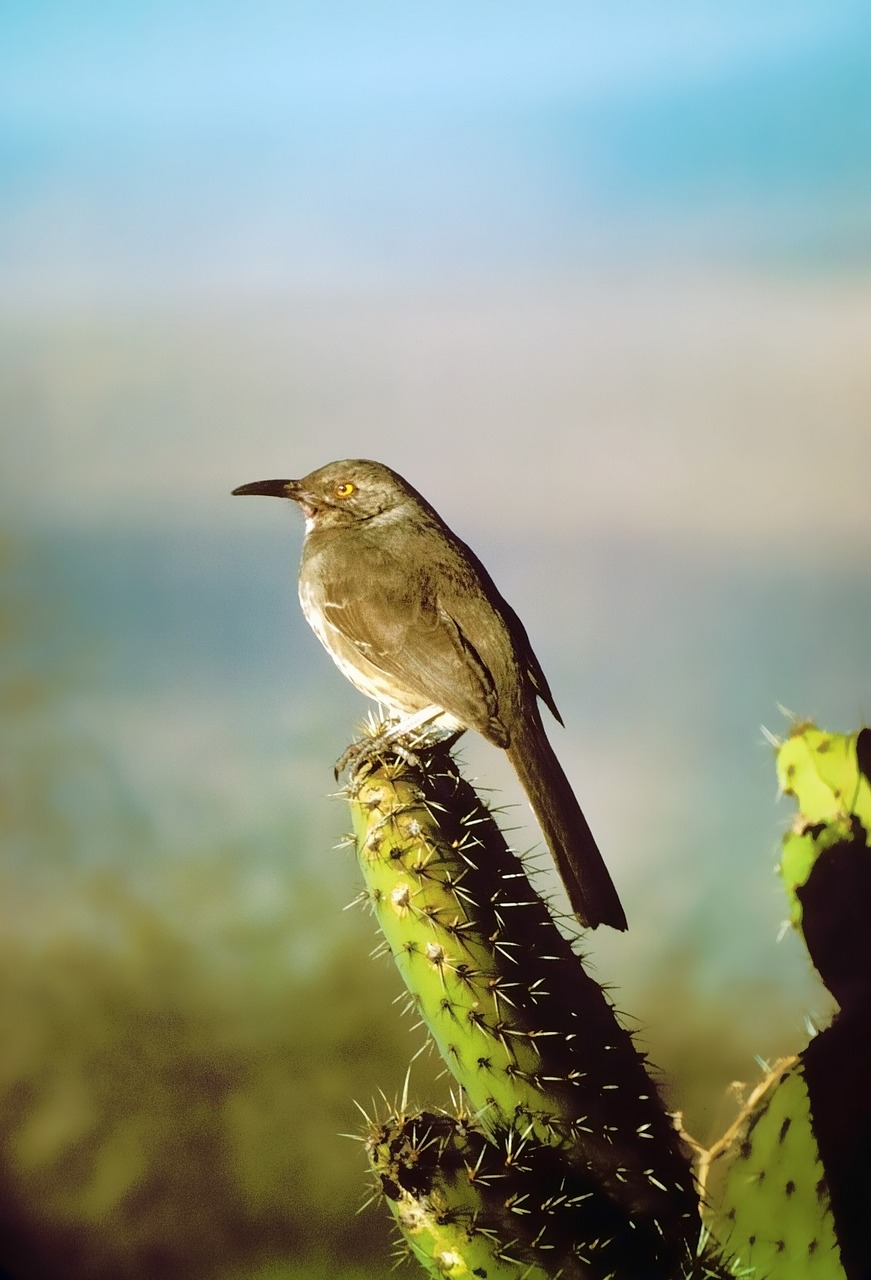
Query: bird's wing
[530,661]
[403,625]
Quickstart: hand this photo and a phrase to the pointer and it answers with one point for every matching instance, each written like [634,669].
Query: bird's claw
[384,739]
[365,753]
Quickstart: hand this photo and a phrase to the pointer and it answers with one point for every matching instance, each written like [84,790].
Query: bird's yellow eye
[344,490]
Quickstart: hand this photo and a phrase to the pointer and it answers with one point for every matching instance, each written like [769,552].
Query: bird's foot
[392,737]
[366,752]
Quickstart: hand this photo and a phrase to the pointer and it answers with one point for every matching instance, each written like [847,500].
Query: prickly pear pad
[470,1205]
[433,1175]
[824,771]
[530,1037]
[765,1188]
[826,859]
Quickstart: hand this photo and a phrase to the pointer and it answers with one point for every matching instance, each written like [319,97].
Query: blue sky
[477,47]
[191,142]
[152,58]
[528,164]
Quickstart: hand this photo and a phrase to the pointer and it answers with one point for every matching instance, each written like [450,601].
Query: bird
[412,618]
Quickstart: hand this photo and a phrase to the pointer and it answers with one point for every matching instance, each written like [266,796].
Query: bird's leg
[389,735]
[411,723]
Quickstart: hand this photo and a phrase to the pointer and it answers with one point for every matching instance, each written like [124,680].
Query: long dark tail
[585,876]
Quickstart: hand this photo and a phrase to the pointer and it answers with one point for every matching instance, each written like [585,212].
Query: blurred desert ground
[600,287]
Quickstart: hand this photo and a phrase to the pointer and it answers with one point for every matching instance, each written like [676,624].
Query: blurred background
[597,279]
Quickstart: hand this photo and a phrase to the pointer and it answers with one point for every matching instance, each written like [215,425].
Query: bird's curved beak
[271,488]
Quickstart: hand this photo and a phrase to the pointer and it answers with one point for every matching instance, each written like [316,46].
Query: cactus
[444,1182]
[826,864]
[826,867]
[788,1189]
[495,1205]
[562,1160]
[765,1187]
[530,1037]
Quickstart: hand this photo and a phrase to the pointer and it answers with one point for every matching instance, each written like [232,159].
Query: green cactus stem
[837,1072]
[828,773]
[528,1034]
[826,866]
[566,1164]
[764,1187]
[826,858]
[789,1187]
[468,1204]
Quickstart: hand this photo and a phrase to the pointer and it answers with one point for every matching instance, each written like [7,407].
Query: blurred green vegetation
[171,1103]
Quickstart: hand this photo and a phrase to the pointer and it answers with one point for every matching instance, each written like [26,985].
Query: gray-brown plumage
[413,619]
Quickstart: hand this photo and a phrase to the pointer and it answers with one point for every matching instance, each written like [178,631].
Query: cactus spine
[530,1037]
[562,1161]
[788,1189]
[765,1187]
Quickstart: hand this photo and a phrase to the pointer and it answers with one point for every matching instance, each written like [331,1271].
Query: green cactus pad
[826,859]
[837,1071]
[825,772]
[434,1176]
[528,1034]
[766,1193]
[826,868]
[470,1205]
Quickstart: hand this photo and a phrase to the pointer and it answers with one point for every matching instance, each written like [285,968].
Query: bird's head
[340,492]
